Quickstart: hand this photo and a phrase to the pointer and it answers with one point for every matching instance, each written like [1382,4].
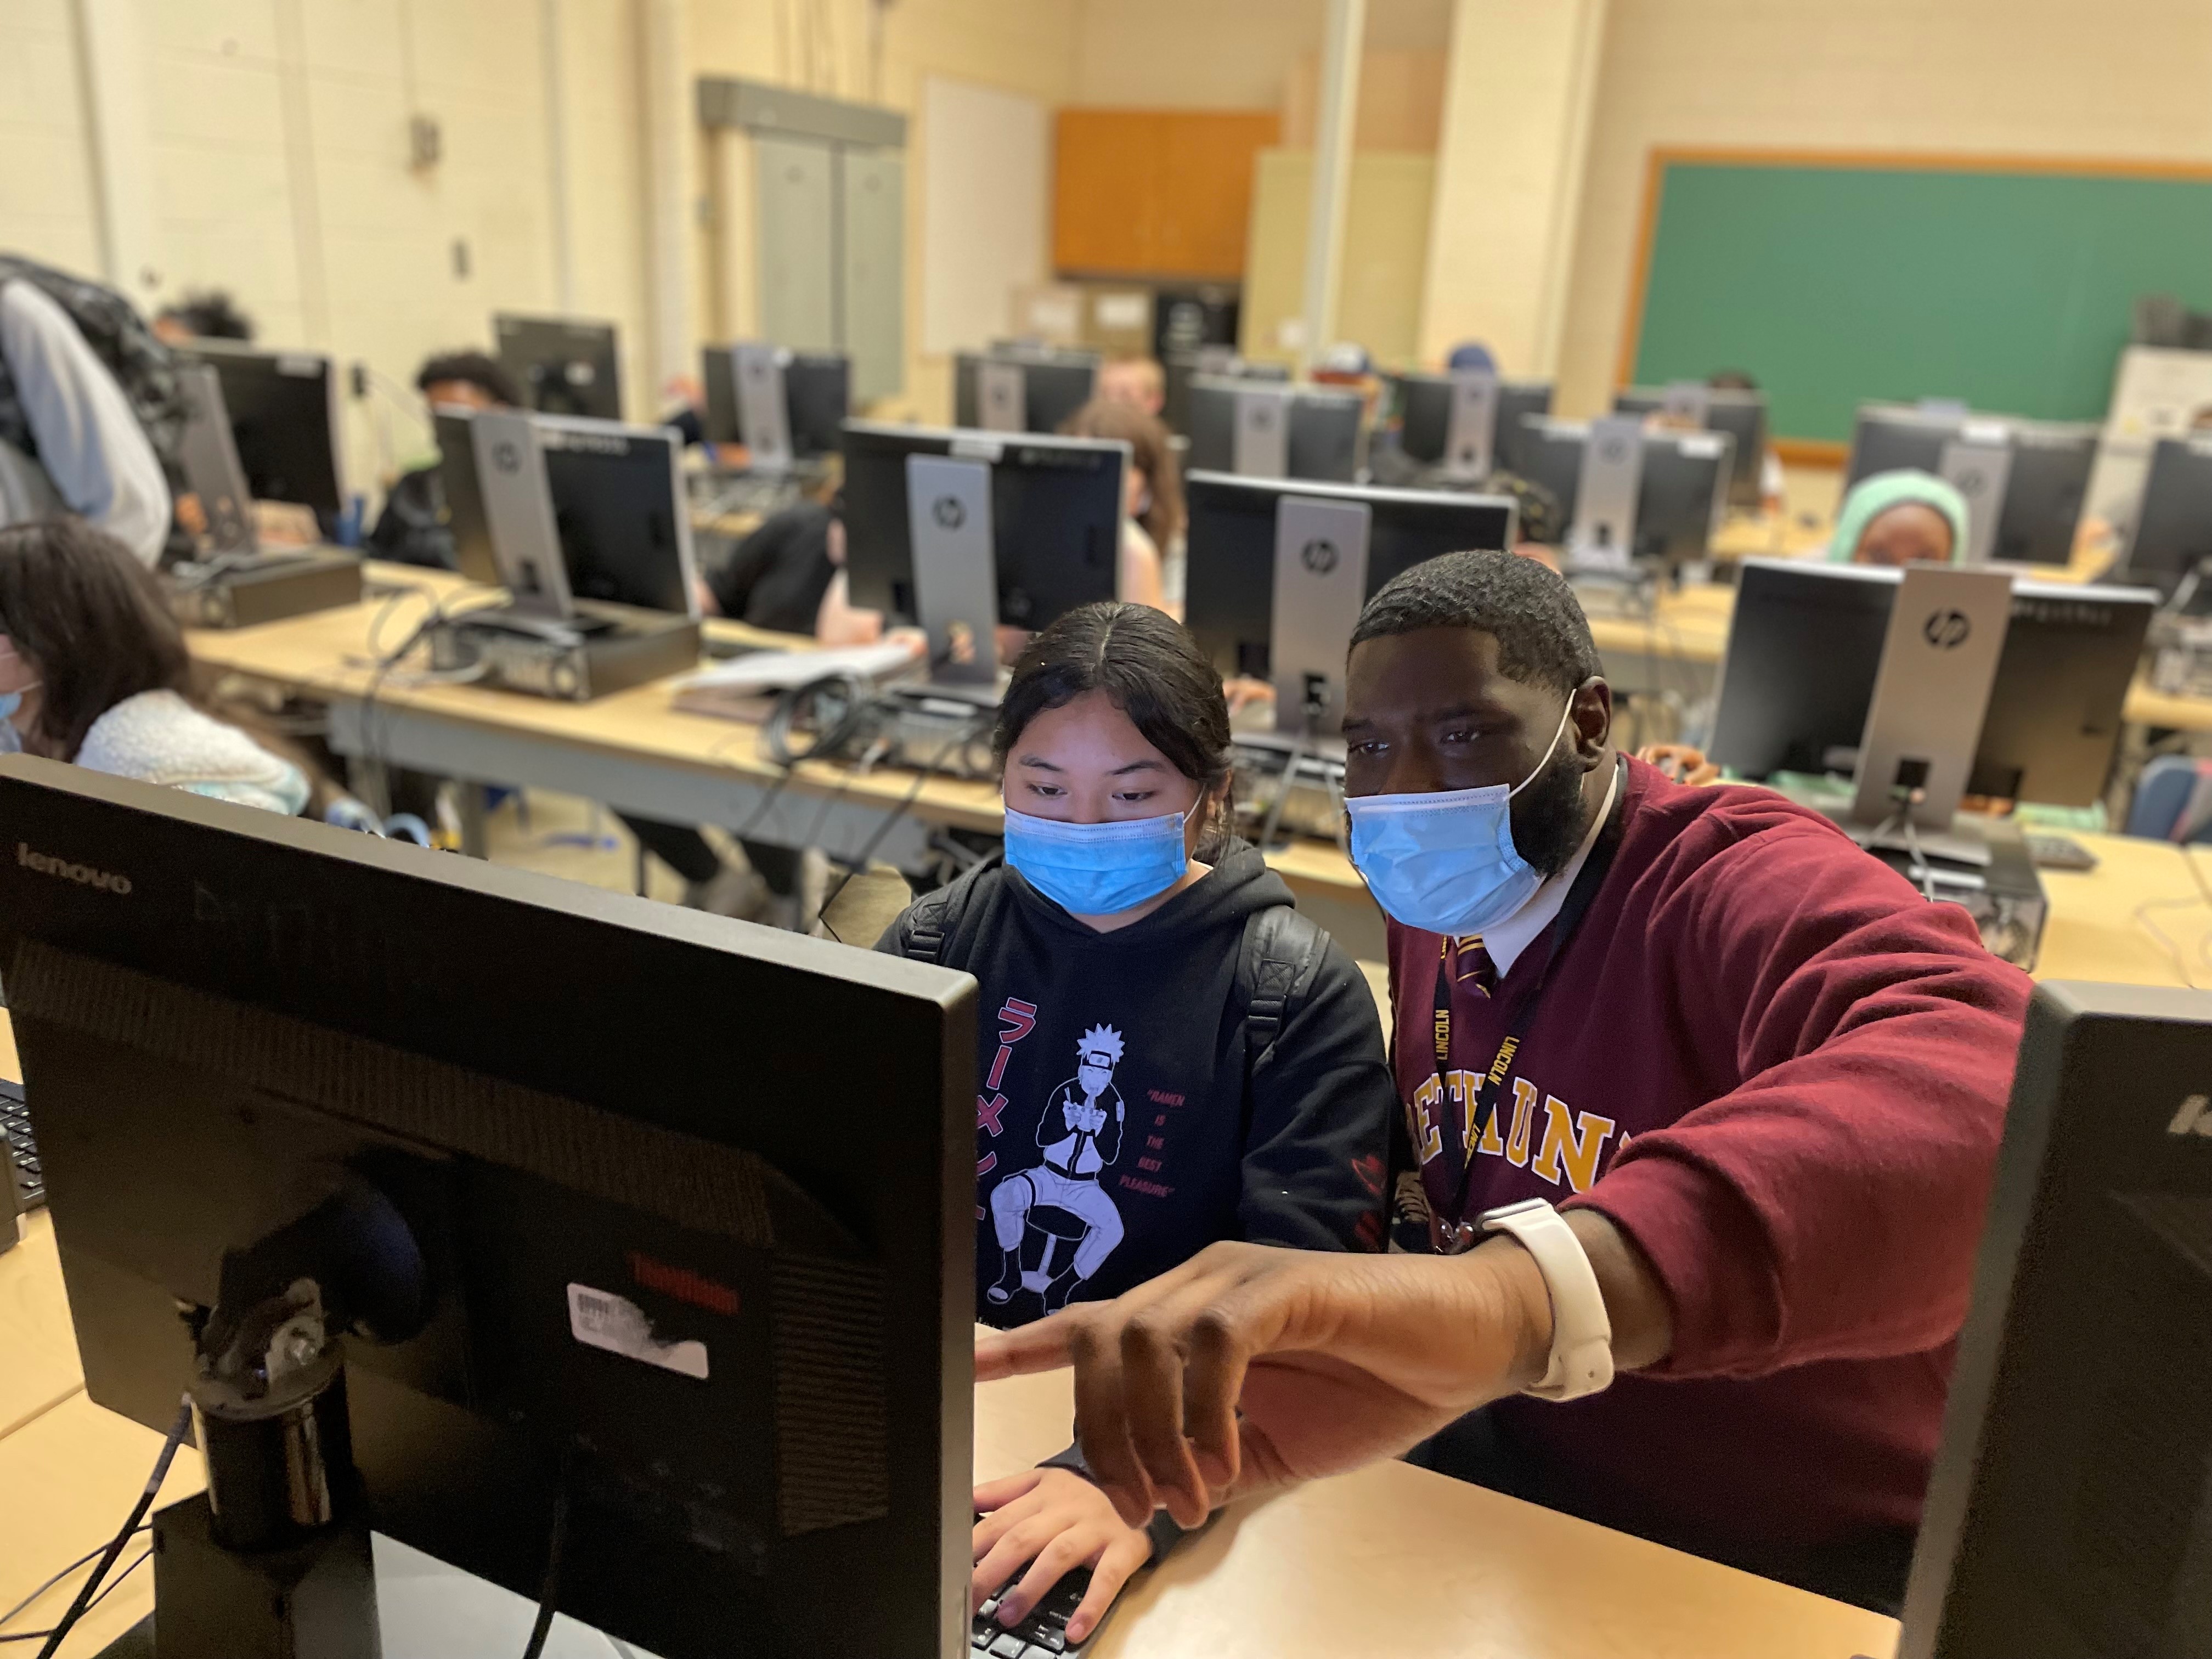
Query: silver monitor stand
[1602,538]
[1262,438]
[1321,582]
[1688,404]
[956,584]
[518,513]
[764,413]
[1471,436]
[210,455]
[1002,396]
[1939,661]
[1978,464]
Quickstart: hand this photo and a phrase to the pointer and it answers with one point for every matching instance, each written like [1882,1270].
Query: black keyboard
[23,1150]
[1043,1634]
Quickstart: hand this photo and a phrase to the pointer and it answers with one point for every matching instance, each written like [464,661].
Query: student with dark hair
[1152,515]
[1170,1053]
[208,314]
[1760,1077]
[92,669]
[415,527]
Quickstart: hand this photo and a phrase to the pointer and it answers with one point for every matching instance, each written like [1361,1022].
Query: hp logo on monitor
[506,458]
[1319,555]
[948,512]
[1946,629]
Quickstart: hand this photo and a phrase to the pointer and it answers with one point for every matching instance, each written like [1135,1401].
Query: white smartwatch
[1582,1335]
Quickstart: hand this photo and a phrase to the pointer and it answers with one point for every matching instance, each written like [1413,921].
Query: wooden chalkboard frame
[1819,452]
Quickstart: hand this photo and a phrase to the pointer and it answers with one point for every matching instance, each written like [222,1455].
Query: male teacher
[1701,1108]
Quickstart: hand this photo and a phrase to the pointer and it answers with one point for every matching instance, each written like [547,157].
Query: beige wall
[1026,46]
[1224,54]
[274,147]
[2116,78]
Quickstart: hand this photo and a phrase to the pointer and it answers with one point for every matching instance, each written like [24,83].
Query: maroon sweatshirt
[1783,1073]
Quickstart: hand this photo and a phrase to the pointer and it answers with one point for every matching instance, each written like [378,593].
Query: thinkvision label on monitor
[600,1319]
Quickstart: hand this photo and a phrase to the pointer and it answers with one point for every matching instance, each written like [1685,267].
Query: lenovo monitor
[544,1231]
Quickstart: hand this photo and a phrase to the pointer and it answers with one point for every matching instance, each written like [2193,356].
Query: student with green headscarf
[1900,517]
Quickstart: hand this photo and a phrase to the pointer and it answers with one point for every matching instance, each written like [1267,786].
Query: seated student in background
[1152,505]
[1900,517]
[777,576]
[1136,380]
[1762,1078]
[414,527]
[202,314]
[92,669]
[71,433]
[1133,1114]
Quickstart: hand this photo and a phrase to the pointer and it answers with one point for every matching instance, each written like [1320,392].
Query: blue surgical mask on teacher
[1097,869]
[1444,861]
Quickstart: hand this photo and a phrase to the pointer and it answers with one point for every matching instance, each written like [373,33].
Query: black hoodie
[1117,1131]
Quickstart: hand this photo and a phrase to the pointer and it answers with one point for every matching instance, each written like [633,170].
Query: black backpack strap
[1275,972]
[934,919]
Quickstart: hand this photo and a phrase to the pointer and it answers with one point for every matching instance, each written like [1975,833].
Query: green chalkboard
[1837,284]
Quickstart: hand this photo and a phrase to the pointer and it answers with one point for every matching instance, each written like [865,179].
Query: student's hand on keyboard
[1052,1519]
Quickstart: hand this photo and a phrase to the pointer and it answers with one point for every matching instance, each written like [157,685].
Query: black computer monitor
[2173,528]
[283,410]
[474,555]
[564,365]
[736,1331]
[1741,414]
[817,399]
[1422,406]
[1055,384]
[1681,488]
[1055,516]
[1229,584]
[2044,489]
[1323,441]
[1220,363]
[2069,1509]
[619,507]
[1805,648]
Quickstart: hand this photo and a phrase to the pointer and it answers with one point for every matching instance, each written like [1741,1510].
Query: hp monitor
[283,411]
[619,508]
[1742,415]
[2036,472]
[1805,648]
[1279,571]
[526,1222]
[2172,540]
[1423,406]
[814,395]
[1262,430]
[1216,363]
[1021,388]
[564,365]
[1055,506]
[1681,491]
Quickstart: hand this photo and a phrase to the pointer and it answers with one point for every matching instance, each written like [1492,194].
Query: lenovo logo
[2195,1118]
[62,870]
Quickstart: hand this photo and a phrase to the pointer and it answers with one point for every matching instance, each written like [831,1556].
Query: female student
[1169,1054]
[1151,509]
[1900,517]
[92,669]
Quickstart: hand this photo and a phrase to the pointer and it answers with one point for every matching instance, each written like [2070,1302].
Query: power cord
[966,735]
[178,1430]
[551,1592]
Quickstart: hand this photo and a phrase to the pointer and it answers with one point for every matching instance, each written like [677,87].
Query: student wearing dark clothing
[1169,1054]
[777,575]
[414,527]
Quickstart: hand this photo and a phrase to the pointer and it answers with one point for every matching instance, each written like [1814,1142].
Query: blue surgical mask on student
[1097,869]
[1443,860]
[11,740]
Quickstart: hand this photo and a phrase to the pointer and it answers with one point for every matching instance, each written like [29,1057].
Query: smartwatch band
[1581,1334]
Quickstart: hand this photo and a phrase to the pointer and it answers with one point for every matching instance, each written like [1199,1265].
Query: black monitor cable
[551,1591]
[179,1432]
